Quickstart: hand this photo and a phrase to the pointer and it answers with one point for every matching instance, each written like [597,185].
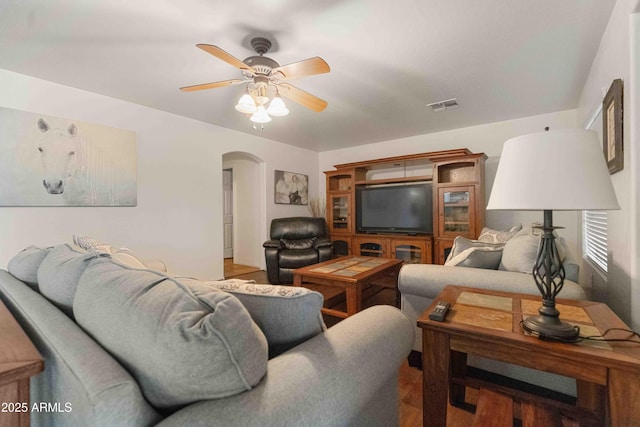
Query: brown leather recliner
[295,242]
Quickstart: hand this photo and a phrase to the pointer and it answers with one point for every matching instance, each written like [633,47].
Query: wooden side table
[487,324]
[19,360]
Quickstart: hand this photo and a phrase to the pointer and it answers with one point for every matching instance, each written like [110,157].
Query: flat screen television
[395,209]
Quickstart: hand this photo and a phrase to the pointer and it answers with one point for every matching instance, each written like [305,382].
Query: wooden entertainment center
[457,178]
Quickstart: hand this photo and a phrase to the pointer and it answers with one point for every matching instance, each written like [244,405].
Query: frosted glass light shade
[246,104]
[277,107]
[555,170]
[260,116]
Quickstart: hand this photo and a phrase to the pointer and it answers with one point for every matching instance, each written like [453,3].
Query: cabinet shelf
[413,250]
[371,251]
[456,183]
[395,180]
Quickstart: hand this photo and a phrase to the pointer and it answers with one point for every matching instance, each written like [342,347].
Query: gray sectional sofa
[128,346]
[509,262]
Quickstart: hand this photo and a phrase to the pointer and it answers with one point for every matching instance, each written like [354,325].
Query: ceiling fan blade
[226,57]
[307,67]
[301,97]
[212,85]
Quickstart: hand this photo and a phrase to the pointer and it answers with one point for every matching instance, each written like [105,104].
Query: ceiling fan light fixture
[264,77]
[246,104]
[262,100]
[260,116]
[277,108]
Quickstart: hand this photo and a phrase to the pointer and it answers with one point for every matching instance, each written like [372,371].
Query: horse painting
[59,162]
[58,155]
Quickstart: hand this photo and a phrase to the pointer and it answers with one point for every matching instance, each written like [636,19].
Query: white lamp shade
[556,170]
[246,104]
[260,116]
[277,107]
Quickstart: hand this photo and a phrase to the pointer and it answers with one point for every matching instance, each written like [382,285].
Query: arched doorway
[245,193]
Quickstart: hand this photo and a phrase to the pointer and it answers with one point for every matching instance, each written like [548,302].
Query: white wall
[487,138]
[620,289]
[635,160]
[179,214]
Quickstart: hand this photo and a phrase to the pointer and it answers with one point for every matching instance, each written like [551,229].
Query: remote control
[440,311]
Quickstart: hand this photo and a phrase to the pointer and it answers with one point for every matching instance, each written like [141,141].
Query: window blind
[595,238]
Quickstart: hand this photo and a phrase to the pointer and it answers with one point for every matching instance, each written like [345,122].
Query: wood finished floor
[235,270]
[410,379]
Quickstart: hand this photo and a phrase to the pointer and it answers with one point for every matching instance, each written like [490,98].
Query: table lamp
[560,169]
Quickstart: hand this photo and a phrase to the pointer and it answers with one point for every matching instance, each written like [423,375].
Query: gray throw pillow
[474,254]
[489,235]
[182,343]
[24,266]
[59,273]
[287,315]
[521,251]
[91,244]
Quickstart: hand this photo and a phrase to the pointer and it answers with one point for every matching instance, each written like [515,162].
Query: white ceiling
[501,59]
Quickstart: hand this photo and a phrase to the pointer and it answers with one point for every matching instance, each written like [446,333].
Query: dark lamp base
[550,327]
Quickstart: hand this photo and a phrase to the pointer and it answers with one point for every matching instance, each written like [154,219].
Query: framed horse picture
[291,188]
[50,161]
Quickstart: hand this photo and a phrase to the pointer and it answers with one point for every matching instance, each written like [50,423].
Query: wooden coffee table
[351,273]
[487,324]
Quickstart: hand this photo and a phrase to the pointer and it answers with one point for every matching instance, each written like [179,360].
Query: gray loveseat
[129,346]
[420,284]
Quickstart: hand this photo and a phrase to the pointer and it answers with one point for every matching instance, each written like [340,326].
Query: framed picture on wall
[54,161]
[612,142]
[291,188]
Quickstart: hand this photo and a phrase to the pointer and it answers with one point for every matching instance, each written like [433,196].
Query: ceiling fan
[266,80]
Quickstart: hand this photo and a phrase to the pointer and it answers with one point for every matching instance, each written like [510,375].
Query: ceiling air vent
[444,105]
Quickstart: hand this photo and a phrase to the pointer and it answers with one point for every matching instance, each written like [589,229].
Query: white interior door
[227,191]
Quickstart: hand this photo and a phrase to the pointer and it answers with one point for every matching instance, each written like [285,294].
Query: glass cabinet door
[340,248]
[456,211]
[412,251]
[442,248]
[341,245]
[339,213]
[409,253]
